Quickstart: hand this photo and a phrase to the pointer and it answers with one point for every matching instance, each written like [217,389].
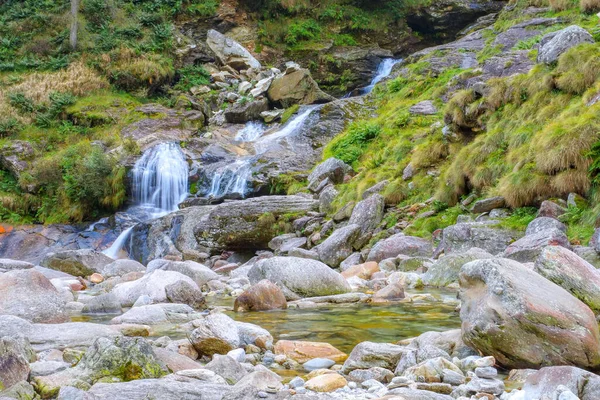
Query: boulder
[14,366]
[363,271]
[226,367]
[82,262]
[524,320]
[487,205]
[331,168]
[445,270]
[30,295]
[528,248]
[546,382]
[551,209]
[368,213]
[122,267]
[296,87]
[155,314]
[255,385]
[392,292]
[152,285]
[262,296]
[106,303]
[554,44]
[215,334]
[326,198]
[572,273]
[483,235]
[541,224]
[199,273]
[425,107]
[185,293]
[400,244]
[339,245]
[229,52]
[163,389]
[299,277]
[7,264]
[242,112]
[302,351]
[254,335]
[367,355]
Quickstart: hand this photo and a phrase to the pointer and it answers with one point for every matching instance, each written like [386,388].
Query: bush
[304,30]
[350,146]
[190,76]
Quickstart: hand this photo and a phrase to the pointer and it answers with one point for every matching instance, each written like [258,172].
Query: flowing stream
[160,183]
[384,69]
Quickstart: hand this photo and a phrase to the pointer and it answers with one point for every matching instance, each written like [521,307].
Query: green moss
[289,112]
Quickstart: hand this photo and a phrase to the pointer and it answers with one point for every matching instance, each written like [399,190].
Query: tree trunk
[73,35]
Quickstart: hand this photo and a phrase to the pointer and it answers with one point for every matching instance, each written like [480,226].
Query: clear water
[384,69]
[160,183]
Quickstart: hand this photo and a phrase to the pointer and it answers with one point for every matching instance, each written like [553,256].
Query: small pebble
[262,395]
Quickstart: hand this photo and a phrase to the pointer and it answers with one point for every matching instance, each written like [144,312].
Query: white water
[252,131]
[160,183]
[234,177]
[384,69]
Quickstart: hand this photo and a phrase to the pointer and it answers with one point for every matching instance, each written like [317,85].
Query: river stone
[368,213]
[240,113]
[299,277]
[163,389]
[545,382]
[400,244]
[229,52]
[544,223]
[363,271]
[367,355]
[262,296]
[318,363]
[153,284]
[249,387]
[554,44]
[331,168]
[185,293]
[524,320]
[483,235]
[572,273]
[528,248]
[157,314]
[445,270]
[215,334]
[82,262]
[350,261]
[30,295]
[339,245]
[106,303]
[122,267]
[198,272]
[7,264]
[14,366]
[326,383]
[296,87]
[303,351]
[431,370]
[251,334]
[174,361]
[226,367]
[391,292]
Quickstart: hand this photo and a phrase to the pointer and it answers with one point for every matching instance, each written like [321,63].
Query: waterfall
[233,178]
[160,178]
[252,131]
[160,183]
[384,69]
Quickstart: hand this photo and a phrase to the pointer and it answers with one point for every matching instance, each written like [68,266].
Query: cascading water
[384,69]
[160,183]
[252,131]
[233,178]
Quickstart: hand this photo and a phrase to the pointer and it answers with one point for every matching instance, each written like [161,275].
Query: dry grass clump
[578,69]
[562,5]
[590,5]
[78,79]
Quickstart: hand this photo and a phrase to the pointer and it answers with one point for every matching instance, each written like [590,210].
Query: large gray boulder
[240,113]
[545,383]
[368,213]
[296,86]
[199,273]
[155,314]
[7,264]
[484,235]
[14,366]
[249,387]
[226,367]
[331,168]
[229,52]
[339,245]
[400,244]
[299,277]
[122,267]
[554,44]
[367,355]
[82,262]
[445,271]
[106,303]
[541,224]
[215,334]
[528,248]
[153,285]
[164,389]
[572,273]
[524,320]
[30,295]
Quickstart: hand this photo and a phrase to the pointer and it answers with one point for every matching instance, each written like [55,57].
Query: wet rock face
[30,295]
[523,319]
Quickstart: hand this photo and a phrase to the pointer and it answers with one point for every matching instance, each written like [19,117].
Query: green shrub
[303,30]
[190,76]
[350,146]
